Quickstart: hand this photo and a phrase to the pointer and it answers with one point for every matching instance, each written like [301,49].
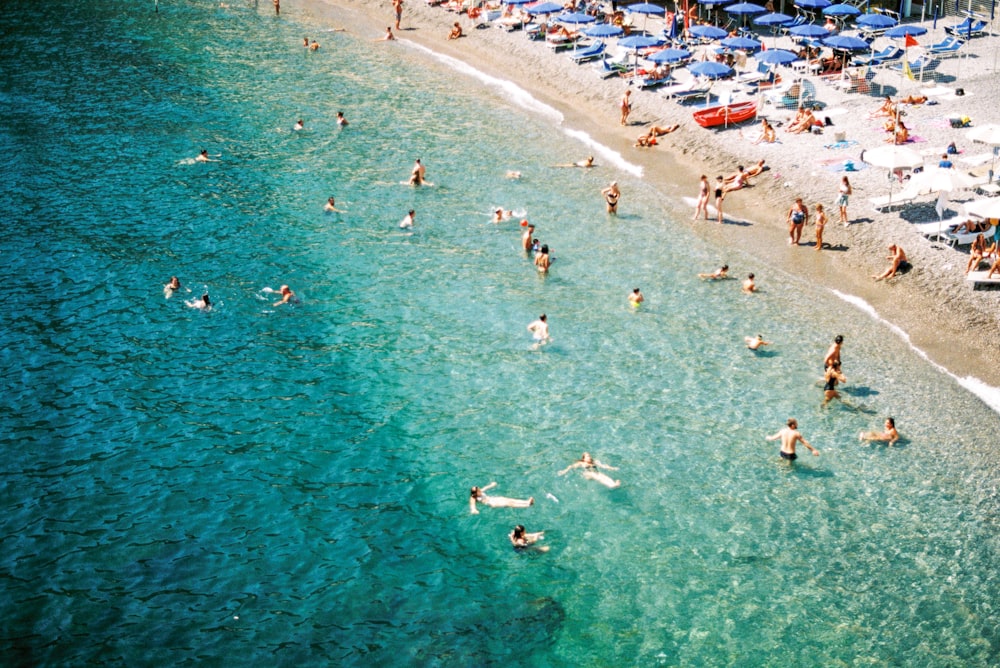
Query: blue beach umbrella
[575,17]
[809,30]
[903,31]
[841,10]
[516,2]
[813,4]
[846,43]
[708,32]
[875,21]
[714,2]
[710,69]
[745,9]
[744,43]
[545,8]
[669,56]
[776,57]
[773,19]
[636,42]
[646,8]
[603,30]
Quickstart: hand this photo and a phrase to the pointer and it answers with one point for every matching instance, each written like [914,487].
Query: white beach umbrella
[892,157]
[984,208]
[988,134]
[937,179]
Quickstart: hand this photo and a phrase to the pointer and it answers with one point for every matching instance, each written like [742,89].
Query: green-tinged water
[288,486]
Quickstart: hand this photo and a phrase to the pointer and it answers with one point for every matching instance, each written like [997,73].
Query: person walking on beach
[701,206]
[789,436]
[611,195]
[540,331]
[720,194]
[626,105]
[890,434]
[843,195]
[397,10]
[820,224]
[798,215]
[833,354]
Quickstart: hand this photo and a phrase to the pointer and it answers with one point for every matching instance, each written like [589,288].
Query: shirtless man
[718,274]
[749,286]
[527,237]
[833,354]
[456,31]
[331,205]
[755,342]
[789,437]
[899,262]
[540,330]
[286,296]
[635,298]
[397,10]
[626,105]
[417,173]
[203,157]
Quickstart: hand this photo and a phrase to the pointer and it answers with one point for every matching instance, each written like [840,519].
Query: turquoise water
[288,486]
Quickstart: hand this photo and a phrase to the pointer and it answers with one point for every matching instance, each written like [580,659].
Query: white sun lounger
[978,279]
[905,196]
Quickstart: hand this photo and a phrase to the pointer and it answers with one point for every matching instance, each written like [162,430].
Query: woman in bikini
[720,194]
[820,224]
[830,380]
[890,434]
[478,495]
[611,195]
[590,468]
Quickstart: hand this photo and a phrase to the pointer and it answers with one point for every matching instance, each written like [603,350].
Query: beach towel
[842,166]
[846,143]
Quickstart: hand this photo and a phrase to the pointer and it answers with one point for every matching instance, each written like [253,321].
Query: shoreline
[932,305]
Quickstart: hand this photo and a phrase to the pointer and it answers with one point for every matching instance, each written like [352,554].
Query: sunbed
[591,52]
[889,53]
[964,238]
[968,28]
[689,90]
[949,46]
[901,198]
[979,279]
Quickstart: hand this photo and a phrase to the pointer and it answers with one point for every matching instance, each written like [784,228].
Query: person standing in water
[407,222]
[540,330]
[635,298]
[789,436]
[833,354]
[526,238]
[417,173]
[611,196]
[542,260]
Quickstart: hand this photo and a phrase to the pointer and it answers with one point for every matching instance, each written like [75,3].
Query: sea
[263,485]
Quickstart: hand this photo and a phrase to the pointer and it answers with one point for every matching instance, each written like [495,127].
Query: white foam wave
[989,394]
[525,100]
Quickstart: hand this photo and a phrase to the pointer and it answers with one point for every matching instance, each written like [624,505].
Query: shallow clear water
[289,485]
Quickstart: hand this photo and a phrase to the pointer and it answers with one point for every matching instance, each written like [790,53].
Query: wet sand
[933,303]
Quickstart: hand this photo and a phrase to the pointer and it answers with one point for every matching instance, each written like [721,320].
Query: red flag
[911,41]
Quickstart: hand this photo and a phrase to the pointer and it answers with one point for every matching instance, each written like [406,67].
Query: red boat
[726,115]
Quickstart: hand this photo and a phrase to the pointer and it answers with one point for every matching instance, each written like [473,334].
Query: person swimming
[478,495]
[407,222]
[755,342]
[635,298]
[171,287]
[590,468]
[204,304]
[522,540]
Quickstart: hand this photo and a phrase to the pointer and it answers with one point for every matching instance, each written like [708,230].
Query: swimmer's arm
[602,465]
[893,437]
[489,486]
[532,537]
[570,468]
[472,505]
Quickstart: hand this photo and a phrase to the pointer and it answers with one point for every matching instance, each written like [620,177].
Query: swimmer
[521,540]
[305,42]
[417,173]
[540,331]
[890,434]
[171,287]
[749,286]
[716,275]
[203,157]
[331,205]
[205,304]
[341,121]
[314,46]
[298,125]
[587,163]
[407,222]
[286,296]
[512,174]
[789,436]
[635,298]
[611,196]
[755,342]
[542,259]
[526,238]
[478,495]
[500,215]
[590,468]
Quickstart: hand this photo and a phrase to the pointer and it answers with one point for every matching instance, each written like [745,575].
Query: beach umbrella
[714,2]
[646,9]
[744,43]
[988,208]
[773,19]
[809,30]
[636,42]
[545,8]
[776,57]
[936,179]
[603,30]
[517,2]
[875,21]
[669,56]
[892,157]
[903,31]
[988,134]
[745,9]
[813,4]
[575,17]
[846,43]
[710,69]
[708,32]
[841,10]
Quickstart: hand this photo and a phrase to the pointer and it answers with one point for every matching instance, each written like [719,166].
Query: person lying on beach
[716,275]
[656,131]
[737,180]
[478,495]
[456,31]
[590,468]
[914,99]
[756,169]
[767,134]
[755,342]
[522,540]
[899,263]
[803,121]
[588,162]
[890,434]
[970,226]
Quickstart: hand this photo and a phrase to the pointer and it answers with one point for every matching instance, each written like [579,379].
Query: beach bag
[959,92]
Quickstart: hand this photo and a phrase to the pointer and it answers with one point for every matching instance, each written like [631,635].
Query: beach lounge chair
[689,90]
[614,67]
[924,64]
[949,46]
[978,279]
[968,28]
[653,82]
[889,53]
[905,196]
[582,55]
[964,238]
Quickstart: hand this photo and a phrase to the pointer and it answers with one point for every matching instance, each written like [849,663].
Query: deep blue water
[288,486]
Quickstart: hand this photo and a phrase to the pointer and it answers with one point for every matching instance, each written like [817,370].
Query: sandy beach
[932,304]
